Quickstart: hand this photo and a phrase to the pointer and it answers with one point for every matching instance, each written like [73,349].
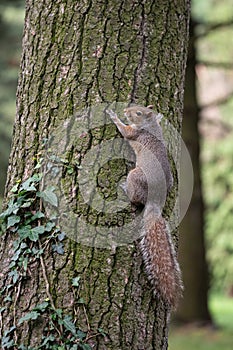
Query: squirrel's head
[139,115]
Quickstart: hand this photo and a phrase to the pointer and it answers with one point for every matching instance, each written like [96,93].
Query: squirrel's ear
[150,107]
[150,114]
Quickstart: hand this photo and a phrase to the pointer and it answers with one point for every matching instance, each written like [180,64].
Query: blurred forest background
[206,249]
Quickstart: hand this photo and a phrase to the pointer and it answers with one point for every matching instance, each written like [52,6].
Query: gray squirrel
[146,185]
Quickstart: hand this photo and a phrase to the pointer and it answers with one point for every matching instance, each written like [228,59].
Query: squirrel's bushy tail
[160,260]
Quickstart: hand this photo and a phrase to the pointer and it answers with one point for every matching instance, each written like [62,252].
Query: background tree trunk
[76,55]
[194,306]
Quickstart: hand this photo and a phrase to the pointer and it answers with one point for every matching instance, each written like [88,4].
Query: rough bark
[194,305]
[75,55]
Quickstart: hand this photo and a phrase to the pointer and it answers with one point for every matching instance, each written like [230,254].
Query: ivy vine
[25,217]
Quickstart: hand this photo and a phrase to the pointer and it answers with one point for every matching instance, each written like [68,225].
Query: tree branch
[210,27]
[218,102]
[223,65]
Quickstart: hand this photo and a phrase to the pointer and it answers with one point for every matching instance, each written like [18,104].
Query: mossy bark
[75,55]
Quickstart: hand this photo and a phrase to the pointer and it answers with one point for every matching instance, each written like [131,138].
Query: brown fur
[160,262]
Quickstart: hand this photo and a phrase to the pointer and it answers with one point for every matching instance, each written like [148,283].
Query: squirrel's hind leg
[137,187]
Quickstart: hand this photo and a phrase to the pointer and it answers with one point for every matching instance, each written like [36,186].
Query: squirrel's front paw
[111,114]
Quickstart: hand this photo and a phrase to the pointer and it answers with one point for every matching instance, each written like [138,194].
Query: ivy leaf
[61,236]
[58,248]
[81,301]
[27,203]
[35,232]
[49,196]
[69,325]
[12,220]
[41,307]
[38,215]
[75,281]
[31,233]
[102,332]
[16,255]
[7,342]
[25,263]
[58,312]
[33,315]
[15,276]
[28,185]
[7,298]
[86,347]
[81,335]
[49,226]
[12,208]
[15,188]
[24,232]
[46,341]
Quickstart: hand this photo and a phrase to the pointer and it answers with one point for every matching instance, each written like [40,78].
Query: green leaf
[70,169]
[28,186]
[14,274]
[81,301]
[15,188]
[12,220]
[33,315]
[24,232]
[35,232]
[69,325]
[102,332]
[7,298]
[49,226]
[38,215]
[58,312]
[41,307]
[27,203]
[37,252]
[81,335]
[61,236]
[75,281]
[58,248]
[39,229]
[16,255]
[49,196]
[25,263]
[31,233]
[39,164]
[12,208]
[74,347]
[46,341]
[86,347]
[7,342]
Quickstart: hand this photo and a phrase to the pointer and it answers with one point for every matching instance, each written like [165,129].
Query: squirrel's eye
[139,113]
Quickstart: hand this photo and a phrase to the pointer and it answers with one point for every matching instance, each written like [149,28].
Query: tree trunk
[194,306]
[77,58]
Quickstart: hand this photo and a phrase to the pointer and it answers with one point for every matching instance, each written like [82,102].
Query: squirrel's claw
[111,114]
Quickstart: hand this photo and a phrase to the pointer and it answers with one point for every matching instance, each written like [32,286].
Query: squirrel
[147,184]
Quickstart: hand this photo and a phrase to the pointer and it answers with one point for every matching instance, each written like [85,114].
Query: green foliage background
[11,27]
[217,151]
